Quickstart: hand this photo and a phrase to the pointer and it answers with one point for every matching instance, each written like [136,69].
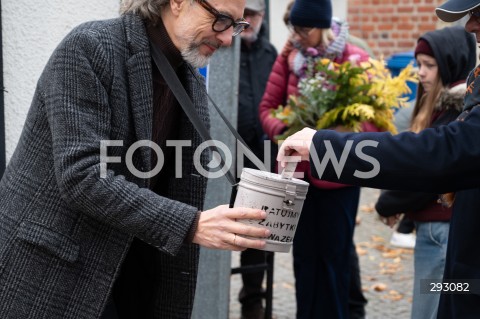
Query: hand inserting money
[297,145]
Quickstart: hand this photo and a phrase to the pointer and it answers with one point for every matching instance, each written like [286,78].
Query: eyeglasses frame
[294,29]
[238,26]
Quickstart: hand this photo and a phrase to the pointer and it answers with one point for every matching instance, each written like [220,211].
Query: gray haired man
[81,241]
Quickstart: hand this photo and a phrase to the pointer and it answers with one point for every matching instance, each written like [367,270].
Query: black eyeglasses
[303,32]
[222,22]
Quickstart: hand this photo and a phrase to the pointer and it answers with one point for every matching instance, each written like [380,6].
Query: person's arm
[80,116]
[391,203]
[437,160]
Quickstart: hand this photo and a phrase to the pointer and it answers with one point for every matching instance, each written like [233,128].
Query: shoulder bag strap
[187,105]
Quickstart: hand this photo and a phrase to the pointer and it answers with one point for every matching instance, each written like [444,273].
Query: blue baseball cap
[454,10]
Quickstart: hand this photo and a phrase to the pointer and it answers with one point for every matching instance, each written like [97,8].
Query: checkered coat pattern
[64,230]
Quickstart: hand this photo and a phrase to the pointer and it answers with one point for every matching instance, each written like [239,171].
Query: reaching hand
[391,220]
[297,145]
[218,229]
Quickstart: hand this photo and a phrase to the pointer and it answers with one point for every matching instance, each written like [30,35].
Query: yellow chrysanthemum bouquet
[347,94]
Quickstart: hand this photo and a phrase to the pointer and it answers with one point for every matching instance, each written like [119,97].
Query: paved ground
[387,273]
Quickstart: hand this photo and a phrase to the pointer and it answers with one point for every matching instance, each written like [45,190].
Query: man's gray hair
[147,9]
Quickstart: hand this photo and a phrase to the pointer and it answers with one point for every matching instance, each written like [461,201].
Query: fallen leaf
[287,285]
[378,239]
[369,278]
[388,271]
[381,248]
[408,251]
[394,266]
[393,295]
[379,287]
[361,251]
[392,254]
[370,208]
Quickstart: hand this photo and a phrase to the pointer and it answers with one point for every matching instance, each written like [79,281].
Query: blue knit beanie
[312,14]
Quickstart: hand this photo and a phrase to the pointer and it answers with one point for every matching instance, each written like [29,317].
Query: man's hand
[218,228]
[391,220]
[296,148]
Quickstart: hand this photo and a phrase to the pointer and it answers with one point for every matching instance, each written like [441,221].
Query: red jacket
[281,84]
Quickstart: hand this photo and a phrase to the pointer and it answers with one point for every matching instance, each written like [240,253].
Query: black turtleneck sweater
[166,110]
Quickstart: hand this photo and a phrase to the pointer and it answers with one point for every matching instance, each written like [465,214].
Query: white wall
[31,31]
[278,30]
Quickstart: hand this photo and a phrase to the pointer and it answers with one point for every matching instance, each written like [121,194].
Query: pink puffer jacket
[283,83]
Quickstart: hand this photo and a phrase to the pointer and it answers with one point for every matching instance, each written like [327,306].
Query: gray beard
[250,38]
[193,57]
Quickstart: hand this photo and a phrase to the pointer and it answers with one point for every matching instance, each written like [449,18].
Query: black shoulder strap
[224,118]
[186,103]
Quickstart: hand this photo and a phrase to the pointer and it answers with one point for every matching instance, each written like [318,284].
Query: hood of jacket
[451,99]
[454,50]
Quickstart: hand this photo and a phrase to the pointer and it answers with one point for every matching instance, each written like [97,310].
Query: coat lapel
[139,71]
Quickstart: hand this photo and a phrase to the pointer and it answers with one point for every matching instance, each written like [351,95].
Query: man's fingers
[237,227]
[220,228]
[281,152]
[286,154]
[246,213]
[240,243]
[249,243]
[252,231]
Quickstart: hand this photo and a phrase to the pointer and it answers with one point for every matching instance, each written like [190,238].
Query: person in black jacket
[439,101]
[256,59]
[438,160]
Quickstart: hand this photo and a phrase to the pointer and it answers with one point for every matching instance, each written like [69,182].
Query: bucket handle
[289,170]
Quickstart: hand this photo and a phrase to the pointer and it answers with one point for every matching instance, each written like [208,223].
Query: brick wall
[392,26]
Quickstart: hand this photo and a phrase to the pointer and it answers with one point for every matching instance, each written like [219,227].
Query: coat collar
[139,72]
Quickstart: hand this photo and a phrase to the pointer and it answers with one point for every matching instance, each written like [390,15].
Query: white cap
[255,5]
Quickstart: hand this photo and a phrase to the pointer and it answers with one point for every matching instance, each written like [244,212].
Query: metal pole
[2,105]
[213,285]
[267,15]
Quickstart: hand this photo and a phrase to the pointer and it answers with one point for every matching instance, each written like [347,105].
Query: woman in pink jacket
[324,238]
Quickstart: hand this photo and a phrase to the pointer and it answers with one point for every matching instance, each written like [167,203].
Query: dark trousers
[356,300]
[134,290]
[406,225]
[322,250]
[110,311]
[252,292]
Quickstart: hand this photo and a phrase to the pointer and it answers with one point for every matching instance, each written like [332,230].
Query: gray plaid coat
[64,231]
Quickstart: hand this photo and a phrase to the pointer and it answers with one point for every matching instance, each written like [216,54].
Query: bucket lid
[272,179]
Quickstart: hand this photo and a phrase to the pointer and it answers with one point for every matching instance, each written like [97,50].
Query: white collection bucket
[282,199]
